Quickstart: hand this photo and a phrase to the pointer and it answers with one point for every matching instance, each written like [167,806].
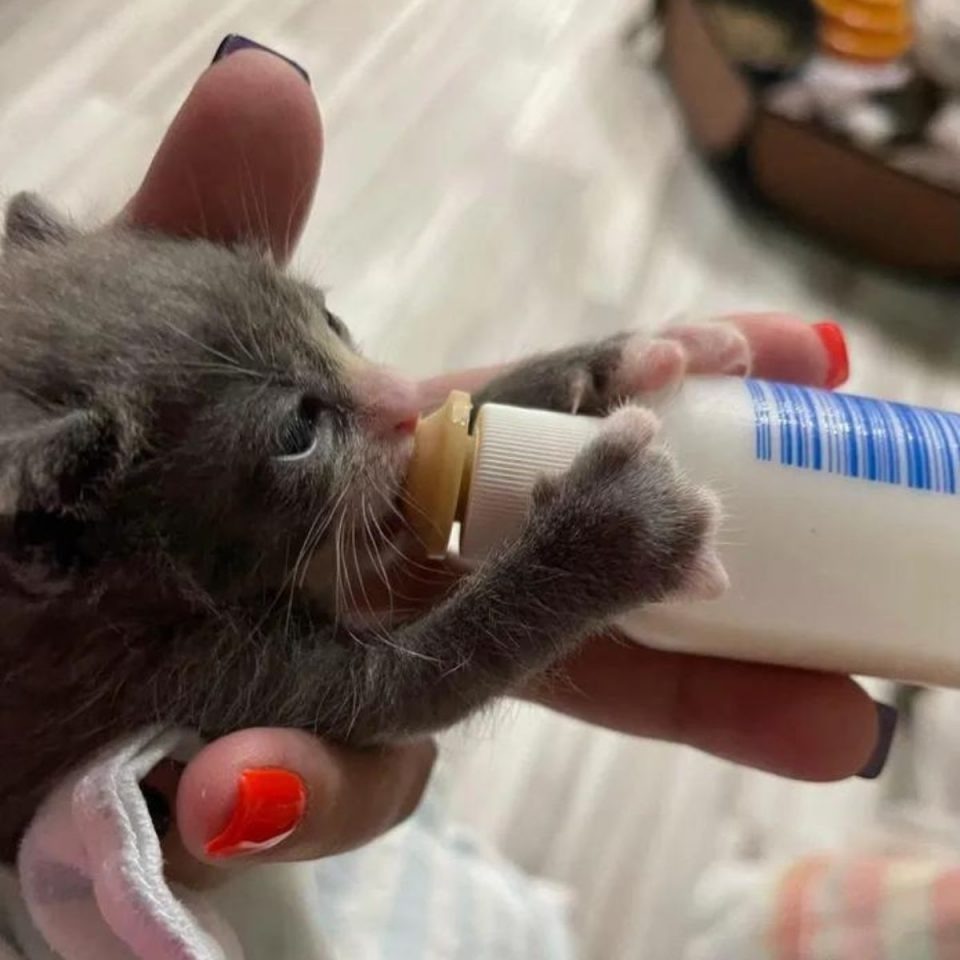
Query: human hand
[795,723]
[268,795]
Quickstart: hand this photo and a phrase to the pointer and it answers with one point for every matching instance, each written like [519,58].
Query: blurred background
[502,177]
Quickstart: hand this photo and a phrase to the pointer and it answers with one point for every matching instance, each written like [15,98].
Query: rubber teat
[439,472]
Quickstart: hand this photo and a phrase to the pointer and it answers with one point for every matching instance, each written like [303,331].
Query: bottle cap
[484,480]
[514,448]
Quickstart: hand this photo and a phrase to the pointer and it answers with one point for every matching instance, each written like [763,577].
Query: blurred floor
[500,177]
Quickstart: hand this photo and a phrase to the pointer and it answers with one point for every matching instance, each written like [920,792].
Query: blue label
[856,437]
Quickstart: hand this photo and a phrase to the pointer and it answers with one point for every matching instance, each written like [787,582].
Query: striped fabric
[832,908]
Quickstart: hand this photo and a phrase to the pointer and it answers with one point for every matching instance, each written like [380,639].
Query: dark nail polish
[886,727]
[158,808]
[233,42]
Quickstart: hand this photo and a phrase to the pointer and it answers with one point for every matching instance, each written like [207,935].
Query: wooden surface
[501,176]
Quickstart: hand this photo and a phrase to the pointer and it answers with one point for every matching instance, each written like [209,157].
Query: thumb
[264,794]
[241,159]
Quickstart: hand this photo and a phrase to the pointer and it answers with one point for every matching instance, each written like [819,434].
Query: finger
[435,390]
[798,724]
[241,159]
[771,346]
[282,795]
[789,350]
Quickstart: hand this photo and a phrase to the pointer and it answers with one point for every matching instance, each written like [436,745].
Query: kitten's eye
[297,436]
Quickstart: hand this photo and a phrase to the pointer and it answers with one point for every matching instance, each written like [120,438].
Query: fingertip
[835,346]
[241,158]
[210,785]
[278,794]
[887,719]
[802,725]
[787,349]
[234,42]
[832,735]
[268,807]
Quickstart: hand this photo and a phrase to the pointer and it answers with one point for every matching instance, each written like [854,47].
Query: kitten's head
[182,402]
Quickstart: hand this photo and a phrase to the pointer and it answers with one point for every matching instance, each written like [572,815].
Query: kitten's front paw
[597,377]
[629,519]
[646,366]
[593,378]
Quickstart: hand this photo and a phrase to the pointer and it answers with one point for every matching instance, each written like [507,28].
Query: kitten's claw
[648,366]
[706,579]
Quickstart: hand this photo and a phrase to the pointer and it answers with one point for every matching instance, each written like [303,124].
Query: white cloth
[840,93]
[90,871]
[89,885]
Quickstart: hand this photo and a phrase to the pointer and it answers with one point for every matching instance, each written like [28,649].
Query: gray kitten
[182,426]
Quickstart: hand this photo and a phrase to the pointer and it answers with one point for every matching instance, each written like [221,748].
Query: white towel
[90,870]
[89,885]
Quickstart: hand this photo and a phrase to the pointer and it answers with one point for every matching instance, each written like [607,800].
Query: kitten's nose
[391,402]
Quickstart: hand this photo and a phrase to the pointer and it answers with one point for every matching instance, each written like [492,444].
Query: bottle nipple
[439,473]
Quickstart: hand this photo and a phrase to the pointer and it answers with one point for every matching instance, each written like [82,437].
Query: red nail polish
[270,805]
[834,342]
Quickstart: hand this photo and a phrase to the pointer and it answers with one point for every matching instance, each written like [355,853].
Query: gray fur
[581,378]
[30,222]
[148,532]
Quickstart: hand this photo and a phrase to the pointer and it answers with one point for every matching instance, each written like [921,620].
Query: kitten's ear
[53,460]
[32,222]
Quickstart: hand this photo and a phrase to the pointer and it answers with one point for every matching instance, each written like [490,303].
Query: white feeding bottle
[841,530]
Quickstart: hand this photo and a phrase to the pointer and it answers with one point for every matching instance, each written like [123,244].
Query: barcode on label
[856,437]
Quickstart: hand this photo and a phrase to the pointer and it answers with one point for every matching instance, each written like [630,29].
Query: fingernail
[270,805]
[233,42]
[886,727]
[159,809]
[838,360]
